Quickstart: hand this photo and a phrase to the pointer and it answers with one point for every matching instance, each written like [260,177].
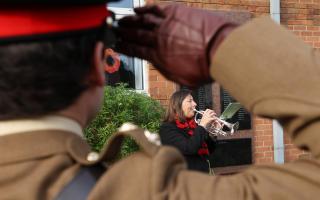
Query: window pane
[202,96]
[138,71]
[124,69]
[132,70]
[121,4]
[242,116]
[232,152]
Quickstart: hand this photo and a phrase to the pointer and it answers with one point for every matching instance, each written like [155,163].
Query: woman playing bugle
[180,130]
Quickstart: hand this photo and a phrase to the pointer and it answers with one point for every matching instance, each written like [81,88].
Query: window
[121,4]
[242,116]
[132,70]
[233,151]
[202,96]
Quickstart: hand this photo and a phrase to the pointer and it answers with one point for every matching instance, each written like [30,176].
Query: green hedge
[123,105]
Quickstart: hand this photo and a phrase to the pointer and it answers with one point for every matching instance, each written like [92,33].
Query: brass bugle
[212,129]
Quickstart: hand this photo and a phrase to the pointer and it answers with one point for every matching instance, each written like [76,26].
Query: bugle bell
[212,129]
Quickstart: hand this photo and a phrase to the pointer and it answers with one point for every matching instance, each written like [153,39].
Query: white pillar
[278,144]
[275,10]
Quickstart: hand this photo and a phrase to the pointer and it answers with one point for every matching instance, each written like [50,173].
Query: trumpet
[215,131]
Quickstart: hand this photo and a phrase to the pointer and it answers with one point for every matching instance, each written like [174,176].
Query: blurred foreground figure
[51,86]
[265,67]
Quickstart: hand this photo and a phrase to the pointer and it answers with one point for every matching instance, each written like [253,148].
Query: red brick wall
[303,18]
[256,8]
[300,16]
[262,140]
[159,87]
[263,143]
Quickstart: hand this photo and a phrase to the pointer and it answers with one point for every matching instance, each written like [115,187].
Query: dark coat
[188,145]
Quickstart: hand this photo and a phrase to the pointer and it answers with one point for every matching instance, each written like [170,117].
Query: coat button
[92,156]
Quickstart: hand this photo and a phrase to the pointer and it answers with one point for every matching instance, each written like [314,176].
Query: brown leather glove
[176,39]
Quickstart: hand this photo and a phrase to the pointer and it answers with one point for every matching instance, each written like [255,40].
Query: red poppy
[111,68]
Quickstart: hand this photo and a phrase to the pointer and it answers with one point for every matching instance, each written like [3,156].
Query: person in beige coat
[51,87]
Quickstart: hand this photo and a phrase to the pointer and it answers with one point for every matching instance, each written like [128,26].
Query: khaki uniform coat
[265,67]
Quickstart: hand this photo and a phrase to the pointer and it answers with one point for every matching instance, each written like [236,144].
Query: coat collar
[36,145]
[50,122]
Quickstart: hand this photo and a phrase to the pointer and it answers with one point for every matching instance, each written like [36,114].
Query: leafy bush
[123,105]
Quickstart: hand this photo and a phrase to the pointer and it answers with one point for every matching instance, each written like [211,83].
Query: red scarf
[189,125]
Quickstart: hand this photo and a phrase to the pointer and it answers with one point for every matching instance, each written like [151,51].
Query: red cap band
[25,21]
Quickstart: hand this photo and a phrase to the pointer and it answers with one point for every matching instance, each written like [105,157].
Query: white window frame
[138,63]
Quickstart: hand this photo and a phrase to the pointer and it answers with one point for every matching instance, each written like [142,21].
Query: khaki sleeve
[272,74]
[163,177]
[159,173]
[155,172]
[263,64]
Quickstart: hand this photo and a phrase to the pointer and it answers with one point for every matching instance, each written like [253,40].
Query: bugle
[217,130]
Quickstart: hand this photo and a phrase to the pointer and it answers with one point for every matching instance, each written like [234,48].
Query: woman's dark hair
[41,77]
[174,110]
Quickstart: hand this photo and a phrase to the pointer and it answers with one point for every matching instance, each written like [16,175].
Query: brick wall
[303,18]
[159,87]
[262,140]
[300,16]
[263,143]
